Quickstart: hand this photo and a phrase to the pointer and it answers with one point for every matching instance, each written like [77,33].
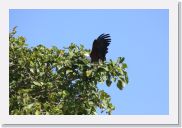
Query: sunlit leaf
[37,83]
[88,73]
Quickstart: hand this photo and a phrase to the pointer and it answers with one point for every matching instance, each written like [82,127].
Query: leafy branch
[59,81]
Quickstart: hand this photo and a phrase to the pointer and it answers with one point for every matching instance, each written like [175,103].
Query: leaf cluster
[52,81]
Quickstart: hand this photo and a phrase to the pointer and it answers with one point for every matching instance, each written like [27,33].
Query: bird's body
[99,48]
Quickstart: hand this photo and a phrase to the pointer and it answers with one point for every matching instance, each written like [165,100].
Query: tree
[52,81]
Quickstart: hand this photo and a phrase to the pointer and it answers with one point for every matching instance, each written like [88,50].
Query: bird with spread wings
[100,48]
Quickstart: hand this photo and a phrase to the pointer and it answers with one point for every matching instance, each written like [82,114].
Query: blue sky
[141,36]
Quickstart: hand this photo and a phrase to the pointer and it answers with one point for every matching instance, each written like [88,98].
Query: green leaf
[32,70]
[42,73]
[127,80]
[124,65]
[59,67]
[65,93]
[88,110]
[120,84]
[91,103]
[88,73]
[68,71]
[37,112]
[31,63]
[108,82]
[30,106]
[101,69]
[37,83]
[103,95]
[121,59]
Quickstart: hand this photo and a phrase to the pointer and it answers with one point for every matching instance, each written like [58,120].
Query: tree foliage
[52,81]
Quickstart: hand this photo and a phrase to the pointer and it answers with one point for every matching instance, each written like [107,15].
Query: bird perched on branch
[99,48]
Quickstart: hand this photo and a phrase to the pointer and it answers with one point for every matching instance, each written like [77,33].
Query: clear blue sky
[141,36]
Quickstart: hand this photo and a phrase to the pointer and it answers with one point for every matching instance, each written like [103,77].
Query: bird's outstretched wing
[99,48]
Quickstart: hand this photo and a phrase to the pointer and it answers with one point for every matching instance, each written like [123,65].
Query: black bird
[99,48]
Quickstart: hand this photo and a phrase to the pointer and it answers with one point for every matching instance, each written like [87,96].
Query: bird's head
[87,55]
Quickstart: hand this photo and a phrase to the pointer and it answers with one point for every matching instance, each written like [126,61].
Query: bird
[100,48]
